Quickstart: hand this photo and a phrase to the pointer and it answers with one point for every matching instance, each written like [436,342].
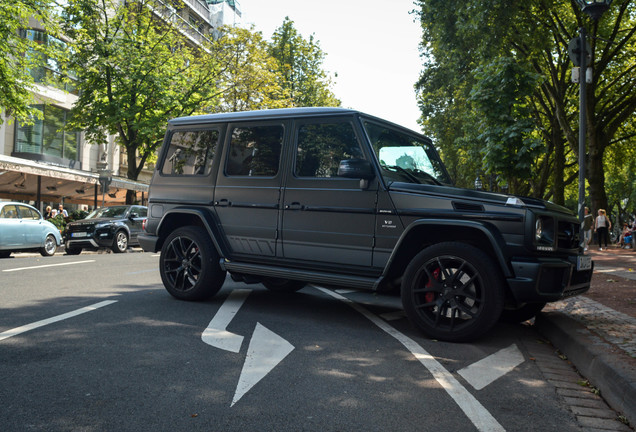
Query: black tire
[524,313]
[283,285]
[73,251]
[5,254]
[120,242]
[50,246]
[189,265]
[453,292]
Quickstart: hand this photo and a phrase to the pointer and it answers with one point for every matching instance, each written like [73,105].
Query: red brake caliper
[430,296]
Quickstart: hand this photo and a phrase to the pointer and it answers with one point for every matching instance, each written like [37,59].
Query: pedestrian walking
[586,226]
[602,225]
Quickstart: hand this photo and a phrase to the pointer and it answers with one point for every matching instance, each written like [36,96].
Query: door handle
[294,206]
[223,203]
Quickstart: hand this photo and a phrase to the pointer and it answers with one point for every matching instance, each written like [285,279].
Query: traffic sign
[574,50]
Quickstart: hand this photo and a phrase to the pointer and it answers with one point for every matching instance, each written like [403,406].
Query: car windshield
[108,212]
[404,157]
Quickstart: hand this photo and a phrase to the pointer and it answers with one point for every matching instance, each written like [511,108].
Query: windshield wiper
[401,170]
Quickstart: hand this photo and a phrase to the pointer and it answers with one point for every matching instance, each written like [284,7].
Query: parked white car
[23,229]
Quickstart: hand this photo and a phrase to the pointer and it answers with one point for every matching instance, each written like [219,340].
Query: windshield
[108,212]
[405,158]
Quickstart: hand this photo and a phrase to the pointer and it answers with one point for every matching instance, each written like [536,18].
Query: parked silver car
[22,228]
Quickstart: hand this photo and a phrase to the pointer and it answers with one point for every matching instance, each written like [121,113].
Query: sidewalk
[599,340]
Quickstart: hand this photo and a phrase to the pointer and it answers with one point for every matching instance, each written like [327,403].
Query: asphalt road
[94,343]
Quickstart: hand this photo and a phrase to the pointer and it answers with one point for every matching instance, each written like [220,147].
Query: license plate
[584,262]
[79,234]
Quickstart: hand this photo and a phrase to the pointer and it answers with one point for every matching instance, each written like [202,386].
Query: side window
[142,211]
[190,152]
[27,213]
[9,212]
[255,151]
[322,146]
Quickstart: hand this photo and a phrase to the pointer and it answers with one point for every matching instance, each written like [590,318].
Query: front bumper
[547,279]
[90,242]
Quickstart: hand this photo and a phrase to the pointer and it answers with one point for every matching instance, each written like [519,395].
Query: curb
[594,359]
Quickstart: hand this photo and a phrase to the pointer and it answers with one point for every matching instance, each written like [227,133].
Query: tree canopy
[19,54]
[496,91]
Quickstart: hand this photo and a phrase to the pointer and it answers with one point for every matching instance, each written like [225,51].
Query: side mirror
[356,169]
[133,216]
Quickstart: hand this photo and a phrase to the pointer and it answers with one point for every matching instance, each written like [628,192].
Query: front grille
[568,235]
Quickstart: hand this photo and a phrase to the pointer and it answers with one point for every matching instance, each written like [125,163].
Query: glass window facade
[46,136]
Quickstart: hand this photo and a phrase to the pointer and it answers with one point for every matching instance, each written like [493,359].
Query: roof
[262,114]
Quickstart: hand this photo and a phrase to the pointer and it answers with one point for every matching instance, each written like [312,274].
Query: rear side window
[27,213]
[190,152]
[321,147]
[255,151]
[9,212]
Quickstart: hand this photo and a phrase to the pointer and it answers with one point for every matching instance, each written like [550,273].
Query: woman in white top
[602,225]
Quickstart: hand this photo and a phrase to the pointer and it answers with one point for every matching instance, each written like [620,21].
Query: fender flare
[496,241]
[208,222]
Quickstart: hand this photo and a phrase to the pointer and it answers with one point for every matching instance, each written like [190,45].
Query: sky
[372,45]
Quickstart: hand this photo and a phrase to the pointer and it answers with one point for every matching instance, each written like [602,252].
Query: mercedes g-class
[336,197]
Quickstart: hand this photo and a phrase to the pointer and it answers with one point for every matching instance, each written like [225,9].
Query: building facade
[44,165]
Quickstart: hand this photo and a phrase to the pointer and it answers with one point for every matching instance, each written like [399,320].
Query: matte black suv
[336,197]
[115,227]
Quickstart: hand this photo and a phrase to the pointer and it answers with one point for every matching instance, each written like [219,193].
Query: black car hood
[476,195]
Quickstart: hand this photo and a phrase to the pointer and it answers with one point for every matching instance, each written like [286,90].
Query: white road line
[16,331]
[496,365]
[216,334]
[475,411]
[48,265]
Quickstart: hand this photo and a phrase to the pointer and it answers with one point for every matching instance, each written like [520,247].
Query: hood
[478,196]
[91,221]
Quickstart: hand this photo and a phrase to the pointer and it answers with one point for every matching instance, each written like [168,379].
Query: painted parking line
[25,328]
[48,265]
[493,367]
[474,410]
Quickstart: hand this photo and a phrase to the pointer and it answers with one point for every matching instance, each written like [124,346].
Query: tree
[134,73]
[250,79]
[535,35]
[299,63]
[19,55]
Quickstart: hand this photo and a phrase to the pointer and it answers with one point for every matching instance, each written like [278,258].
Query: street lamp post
[580,54]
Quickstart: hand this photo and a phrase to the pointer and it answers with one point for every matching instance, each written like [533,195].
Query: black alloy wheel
[189,265]
[453,292]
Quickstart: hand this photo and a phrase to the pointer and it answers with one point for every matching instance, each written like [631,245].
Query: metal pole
[582,127]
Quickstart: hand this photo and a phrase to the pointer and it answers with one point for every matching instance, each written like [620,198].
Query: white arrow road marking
[496,365]
[475,411]
[16,331]
[216,334]
[266,350]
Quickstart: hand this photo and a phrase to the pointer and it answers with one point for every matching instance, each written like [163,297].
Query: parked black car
[114,227]
[337,197]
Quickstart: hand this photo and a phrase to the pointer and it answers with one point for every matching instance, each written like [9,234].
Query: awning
[19,181]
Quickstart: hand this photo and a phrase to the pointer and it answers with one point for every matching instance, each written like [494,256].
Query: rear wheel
[120,243]
[452,291]
[50,246]
[283,285]
[189,265]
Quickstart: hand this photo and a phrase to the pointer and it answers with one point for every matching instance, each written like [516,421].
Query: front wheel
[189,265]
[120,243]
[50,246]
[5,254]
[452,291]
